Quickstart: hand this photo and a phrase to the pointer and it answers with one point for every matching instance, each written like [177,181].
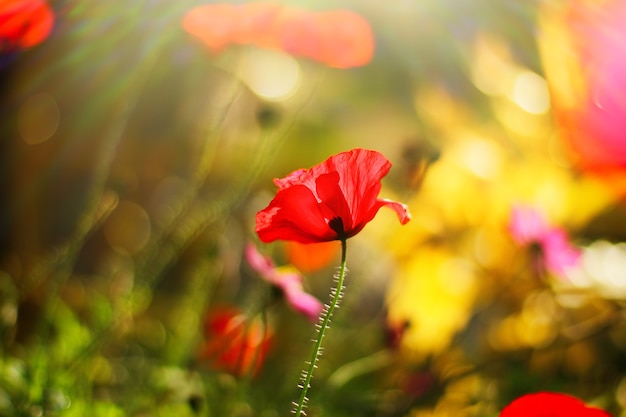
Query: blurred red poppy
[331,201]
[587,75]
[219,25]
[550,404]
[235,343]
[212,24]
[338,38]
[24,23]
[256,25]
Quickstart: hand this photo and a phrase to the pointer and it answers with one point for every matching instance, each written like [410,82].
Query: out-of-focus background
[135,152]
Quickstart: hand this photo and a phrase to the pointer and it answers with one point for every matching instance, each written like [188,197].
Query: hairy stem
[335,294]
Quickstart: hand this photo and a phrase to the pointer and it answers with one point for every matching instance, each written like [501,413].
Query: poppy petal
[333,201]
[294,214]
[212,24]
[402,211]
[299,33]
[256,24]
[360,172]
[299,176]
[338,38]
[350,42]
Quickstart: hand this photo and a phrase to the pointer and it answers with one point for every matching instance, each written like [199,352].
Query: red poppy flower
[235,343]
[550,404]
[24,23]
[331,201]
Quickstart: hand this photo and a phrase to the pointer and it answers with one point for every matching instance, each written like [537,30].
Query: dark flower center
[535,247]
[337,225]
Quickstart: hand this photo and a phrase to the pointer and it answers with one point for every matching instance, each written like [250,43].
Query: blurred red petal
[313,256]
[300,34]
[256,24]
[25,23]
[234,342]
[349,41]
[340,38]
[212,24]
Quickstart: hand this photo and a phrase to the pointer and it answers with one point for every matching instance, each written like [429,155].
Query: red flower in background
[289,281]
[331,201]
[235,343]
[550,404]
[586,71]
[24,23]
[529,228]
[338,38]
[219,25]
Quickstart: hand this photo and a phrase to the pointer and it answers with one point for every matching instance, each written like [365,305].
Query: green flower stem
[336,294]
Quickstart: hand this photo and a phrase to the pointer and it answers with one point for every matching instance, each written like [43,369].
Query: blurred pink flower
[289,281]
[529,228]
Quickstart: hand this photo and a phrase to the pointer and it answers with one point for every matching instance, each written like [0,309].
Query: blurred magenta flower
[550,404]
[529,228]
[234,342]
[24,23]
[587,75]
[333,200]
[288,280]
[337,38]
